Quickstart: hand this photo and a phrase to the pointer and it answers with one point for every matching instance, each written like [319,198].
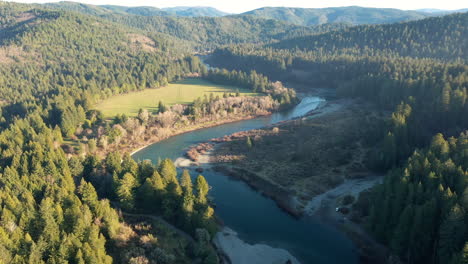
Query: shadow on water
[254,217]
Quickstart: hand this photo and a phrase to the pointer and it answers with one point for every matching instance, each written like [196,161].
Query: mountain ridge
[354,15]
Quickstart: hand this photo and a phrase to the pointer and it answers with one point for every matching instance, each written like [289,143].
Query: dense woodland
[443,38]
[54,65]
[420,210]
[60,206]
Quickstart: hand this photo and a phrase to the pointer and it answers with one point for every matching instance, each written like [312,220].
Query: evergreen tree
[202,190]
[125,191]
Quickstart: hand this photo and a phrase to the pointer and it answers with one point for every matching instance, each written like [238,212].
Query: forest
[67,180]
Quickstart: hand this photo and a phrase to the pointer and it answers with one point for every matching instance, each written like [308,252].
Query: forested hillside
[444,38]
[420,210]
[203,33]
[430,88]
[353,15]
[183,11]
[60,63]
[54,65]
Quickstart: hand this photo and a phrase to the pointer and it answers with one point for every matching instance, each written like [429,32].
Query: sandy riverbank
[239,252]
[349,187]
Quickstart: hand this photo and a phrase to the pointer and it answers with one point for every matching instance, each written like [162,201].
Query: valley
[314,135]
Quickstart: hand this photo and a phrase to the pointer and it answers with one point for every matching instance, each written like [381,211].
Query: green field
[182,92]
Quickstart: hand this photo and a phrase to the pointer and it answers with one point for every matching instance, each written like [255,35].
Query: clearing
[182,92]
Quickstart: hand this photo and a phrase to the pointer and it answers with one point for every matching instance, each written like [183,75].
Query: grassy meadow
[182,92]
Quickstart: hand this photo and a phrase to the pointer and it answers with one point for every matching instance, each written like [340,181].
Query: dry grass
[308,157]
[11,54]
[140,41]
[26,16]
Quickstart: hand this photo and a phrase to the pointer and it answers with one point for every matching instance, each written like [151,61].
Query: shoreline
[321,206]
[181,131]
[150,142]
[368,250]
[237,251]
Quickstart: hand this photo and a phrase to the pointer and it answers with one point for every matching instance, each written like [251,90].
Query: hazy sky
[237,6]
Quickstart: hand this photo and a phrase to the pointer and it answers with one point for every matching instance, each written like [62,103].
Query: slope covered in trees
[59,63]
[421,209]
[183,11]
[434,93]
[444,38]
[353,15]
[44,216]
[209,32]
[54,65]
[203,33]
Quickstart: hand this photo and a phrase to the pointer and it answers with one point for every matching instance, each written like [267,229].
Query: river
[254,217]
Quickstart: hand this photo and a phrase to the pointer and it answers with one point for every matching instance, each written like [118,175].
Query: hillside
[195,11]
[443,38]
[54,65]
[353,15]
[209,32]
[47,56]
[200,32]
[99,10]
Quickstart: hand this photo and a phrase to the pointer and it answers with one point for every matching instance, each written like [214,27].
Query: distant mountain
[195,11]
[106,9]
[441,11]
[182,11]
[353,15]
[138,10]
[80,8]
[431,10]
[205,32]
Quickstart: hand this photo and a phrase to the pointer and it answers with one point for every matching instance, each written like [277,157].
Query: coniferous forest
[63,201]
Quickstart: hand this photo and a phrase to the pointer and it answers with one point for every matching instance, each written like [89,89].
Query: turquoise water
[254,217]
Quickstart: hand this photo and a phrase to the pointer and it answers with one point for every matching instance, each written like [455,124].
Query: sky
[238,6]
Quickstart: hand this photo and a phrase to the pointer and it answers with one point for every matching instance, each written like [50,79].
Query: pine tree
[125,191]
[169,174]
[186,182]
[88,194]
[202,190]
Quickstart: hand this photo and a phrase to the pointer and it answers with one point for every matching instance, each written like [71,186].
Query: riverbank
[137,146]
[134,146]
[323,203]
[239,252]
[293,161]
